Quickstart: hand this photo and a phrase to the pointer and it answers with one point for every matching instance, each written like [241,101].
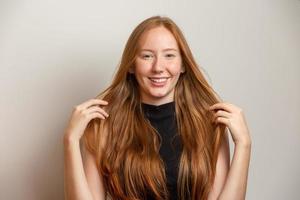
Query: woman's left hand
[233,117]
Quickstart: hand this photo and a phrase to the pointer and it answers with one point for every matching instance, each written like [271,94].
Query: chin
[159,94]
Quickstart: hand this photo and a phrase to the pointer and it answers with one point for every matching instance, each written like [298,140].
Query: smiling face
[157,66]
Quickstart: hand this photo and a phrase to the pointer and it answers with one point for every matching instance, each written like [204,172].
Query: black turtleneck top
[163,119]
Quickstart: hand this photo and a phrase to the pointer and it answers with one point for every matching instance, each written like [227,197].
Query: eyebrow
[167,49]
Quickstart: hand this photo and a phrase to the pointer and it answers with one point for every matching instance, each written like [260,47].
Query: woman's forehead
[158,38]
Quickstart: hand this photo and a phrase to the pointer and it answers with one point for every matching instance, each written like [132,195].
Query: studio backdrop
[57,54]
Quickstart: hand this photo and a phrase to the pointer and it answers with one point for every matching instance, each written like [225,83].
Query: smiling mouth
[159,80]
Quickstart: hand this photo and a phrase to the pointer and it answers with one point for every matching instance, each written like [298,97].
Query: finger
[92,102]
[96,109]
[96,115]
[222,120]
[222,105]
[222,113]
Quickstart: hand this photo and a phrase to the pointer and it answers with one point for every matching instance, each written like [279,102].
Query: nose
[158,65]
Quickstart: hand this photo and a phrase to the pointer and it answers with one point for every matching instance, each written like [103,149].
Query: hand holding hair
[82,114]
[233,117]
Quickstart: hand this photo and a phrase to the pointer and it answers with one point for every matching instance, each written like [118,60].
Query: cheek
[175,69]
[141,68]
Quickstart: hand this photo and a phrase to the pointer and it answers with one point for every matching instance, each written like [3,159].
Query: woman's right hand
[82,114]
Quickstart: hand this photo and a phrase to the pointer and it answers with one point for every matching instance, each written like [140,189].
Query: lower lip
[159,84]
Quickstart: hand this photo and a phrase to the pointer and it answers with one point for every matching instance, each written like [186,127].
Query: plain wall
[57,54]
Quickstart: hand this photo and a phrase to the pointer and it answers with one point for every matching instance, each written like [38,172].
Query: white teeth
[158,80]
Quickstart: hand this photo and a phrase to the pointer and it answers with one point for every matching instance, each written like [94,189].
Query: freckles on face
[158,63]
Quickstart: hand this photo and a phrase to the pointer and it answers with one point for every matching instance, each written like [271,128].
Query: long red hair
[127,146]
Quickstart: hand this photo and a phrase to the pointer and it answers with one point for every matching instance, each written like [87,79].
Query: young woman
[166,133]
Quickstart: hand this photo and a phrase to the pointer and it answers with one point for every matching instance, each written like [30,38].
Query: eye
[146,56]
[170,55]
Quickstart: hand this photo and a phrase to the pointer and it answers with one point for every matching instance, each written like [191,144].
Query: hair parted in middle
[126,145]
